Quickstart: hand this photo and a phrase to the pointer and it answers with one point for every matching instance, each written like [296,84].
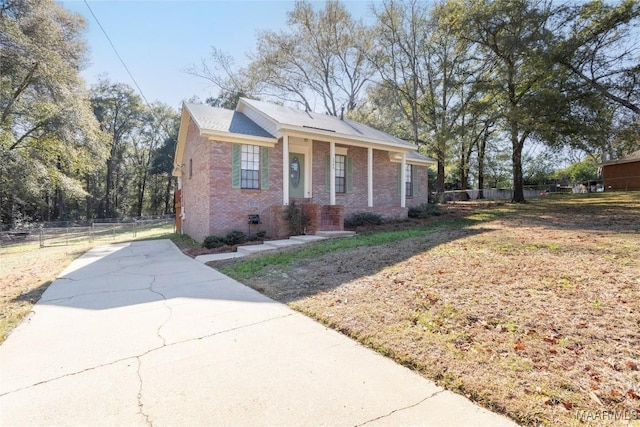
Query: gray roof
[234,122]
[629,158]
[414,155]
[223,120]
[293,117]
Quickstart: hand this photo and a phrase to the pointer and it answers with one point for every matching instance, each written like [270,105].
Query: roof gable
[213,119]
[629,158]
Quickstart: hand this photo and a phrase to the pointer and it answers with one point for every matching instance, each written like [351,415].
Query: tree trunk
[107,193]
[481,151]
[141,190]
[516,158]
[441,160]
[167,196]
[462,171]
[440,176]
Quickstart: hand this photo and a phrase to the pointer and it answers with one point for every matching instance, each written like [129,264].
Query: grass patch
[244,269]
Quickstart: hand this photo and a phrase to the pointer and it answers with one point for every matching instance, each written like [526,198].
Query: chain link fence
[70,232]
[593,186]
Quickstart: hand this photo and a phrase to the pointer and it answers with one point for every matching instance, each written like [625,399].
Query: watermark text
[608,415]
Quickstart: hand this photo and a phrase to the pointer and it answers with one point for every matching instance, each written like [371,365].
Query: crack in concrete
[139,396]
[71,374]
[139,357]
[167,306]
[232,329]
[43,301]
[401,409]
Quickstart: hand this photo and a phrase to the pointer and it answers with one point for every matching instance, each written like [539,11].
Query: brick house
[257,159]
[623,173]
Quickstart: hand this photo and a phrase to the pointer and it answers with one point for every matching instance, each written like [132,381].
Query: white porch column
[403,181]
[370,177]
[285,169]
[332,173]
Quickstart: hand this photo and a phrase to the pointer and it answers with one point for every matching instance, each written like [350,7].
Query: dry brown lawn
[535,314]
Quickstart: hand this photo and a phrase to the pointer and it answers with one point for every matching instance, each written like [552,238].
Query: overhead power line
[117,54]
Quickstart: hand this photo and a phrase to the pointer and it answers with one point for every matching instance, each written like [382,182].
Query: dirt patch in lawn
[535,315]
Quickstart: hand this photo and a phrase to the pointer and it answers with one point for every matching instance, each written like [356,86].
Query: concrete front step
[283,243]
[332,234]
[307,238]
[252,249]
[270,245]
[218,257]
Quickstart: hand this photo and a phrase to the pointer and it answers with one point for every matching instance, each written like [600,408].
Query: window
[408,180]
[340,173]
[250,167]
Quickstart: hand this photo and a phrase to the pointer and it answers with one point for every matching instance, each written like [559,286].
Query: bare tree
[323,57]
[231,81]
[430,70]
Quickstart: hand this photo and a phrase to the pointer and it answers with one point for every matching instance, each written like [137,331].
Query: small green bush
[425,210]
[213,242]
[297,219]
[260,235]
[363,218]
[235,237]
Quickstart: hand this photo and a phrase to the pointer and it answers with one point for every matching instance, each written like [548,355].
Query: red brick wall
[332,218]
[213,207]
[423,188]
[313,213]
[195,194]
[278,226]
[625,176]
[230,207]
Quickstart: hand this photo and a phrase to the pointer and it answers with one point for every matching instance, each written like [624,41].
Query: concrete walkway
[272,245]
[140,334]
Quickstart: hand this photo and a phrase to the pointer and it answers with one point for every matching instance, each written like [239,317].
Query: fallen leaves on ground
[535,315]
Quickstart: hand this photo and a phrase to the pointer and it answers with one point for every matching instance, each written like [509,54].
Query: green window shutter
[414,180]
[328,171]
[349,174]
[399,179]
[264,168]
[236,160]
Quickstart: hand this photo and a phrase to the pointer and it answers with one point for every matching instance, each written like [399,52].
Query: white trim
[395,157]
[240,139]
[285,170]
[403,181]
[324,135]
[332,173]
[341,151]
[370,177]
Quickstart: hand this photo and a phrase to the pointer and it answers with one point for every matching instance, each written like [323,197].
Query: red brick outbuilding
[623,173]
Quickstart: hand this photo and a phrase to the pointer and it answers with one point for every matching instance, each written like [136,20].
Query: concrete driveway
[140,334]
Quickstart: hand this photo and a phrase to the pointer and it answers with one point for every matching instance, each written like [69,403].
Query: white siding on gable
[261,120]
